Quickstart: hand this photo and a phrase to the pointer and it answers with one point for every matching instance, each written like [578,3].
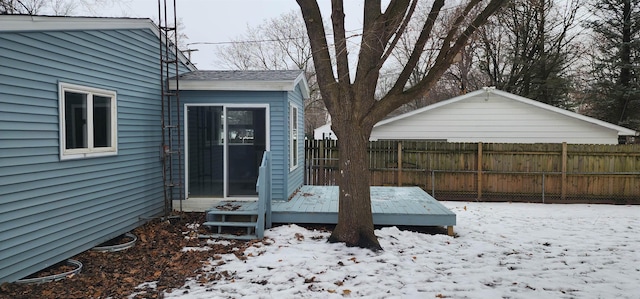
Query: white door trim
[226,145]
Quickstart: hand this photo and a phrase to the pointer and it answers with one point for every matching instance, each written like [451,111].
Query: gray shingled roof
[286,75]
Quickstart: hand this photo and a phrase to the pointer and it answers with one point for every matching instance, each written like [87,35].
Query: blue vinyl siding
[278,110]
[51,210]
[295,178]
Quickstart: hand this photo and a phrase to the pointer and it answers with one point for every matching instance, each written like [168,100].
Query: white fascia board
[238,85]
[304,86]
[429,107]
[44,23]
[622,131]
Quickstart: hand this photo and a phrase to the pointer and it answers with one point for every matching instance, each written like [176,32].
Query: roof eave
[429,107]
[244,85]
[622,131]
[233,85]
[52,23]
[304,86]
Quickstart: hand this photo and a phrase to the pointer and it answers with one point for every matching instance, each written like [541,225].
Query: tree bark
[355,218]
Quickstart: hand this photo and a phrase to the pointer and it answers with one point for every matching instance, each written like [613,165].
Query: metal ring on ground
[118,247]
[54,277]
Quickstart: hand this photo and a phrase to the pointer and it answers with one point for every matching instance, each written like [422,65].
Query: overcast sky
[219,21]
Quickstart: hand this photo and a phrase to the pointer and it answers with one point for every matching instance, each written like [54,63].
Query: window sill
[76,156]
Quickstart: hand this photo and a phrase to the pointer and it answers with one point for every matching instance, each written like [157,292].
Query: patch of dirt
[157,256]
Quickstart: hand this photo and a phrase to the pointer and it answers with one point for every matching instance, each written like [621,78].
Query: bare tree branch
[395,99]
[398,33]
[320,51]
[418,48]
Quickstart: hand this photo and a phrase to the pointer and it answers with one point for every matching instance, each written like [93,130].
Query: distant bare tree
[461,76]
[278,43]
[529,49]
[52,7]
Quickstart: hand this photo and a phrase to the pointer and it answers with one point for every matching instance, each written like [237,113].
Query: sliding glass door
[225,146]
[205,143]
[246,143]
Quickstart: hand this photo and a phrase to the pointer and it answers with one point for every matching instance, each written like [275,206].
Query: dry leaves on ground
[157,256]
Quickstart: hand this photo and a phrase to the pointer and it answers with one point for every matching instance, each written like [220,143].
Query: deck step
[230,223]
[238,212]
[228,236]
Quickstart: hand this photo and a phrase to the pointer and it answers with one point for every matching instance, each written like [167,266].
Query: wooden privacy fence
[494,172]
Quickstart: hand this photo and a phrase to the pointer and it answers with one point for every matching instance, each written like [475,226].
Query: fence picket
[527,172]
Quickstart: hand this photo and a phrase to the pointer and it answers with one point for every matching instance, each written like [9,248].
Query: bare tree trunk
[352,103]
[355,219]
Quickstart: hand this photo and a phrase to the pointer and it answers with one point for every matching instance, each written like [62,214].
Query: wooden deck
[402,206]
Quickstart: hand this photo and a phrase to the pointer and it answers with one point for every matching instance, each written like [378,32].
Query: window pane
[295,152]
[75,126]
[293,127]
[295,118]
[240,124]
[101,121]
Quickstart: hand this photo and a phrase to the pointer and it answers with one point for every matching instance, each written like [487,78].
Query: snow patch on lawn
[503,250]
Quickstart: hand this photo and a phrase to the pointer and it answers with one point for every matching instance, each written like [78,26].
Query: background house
[494,116]
[324,132]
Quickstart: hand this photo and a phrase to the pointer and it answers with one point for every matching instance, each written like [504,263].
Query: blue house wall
[52,209]
[295,177]
[284,181]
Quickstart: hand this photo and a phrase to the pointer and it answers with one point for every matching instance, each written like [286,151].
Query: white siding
[324,132]
[494,118]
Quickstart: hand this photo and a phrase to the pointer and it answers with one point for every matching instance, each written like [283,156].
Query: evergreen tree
[614,95]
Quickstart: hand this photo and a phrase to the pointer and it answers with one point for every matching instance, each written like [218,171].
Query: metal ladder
[171,148]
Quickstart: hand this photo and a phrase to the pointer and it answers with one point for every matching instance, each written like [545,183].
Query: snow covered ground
[503,250]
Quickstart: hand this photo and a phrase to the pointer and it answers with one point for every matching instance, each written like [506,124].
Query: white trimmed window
[88,125]
[293,137]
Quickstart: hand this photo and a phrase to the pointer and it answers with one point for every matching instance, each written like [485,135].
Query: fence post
[399,163]
[433,183]
[563,182]
[479,170]
[306,162]
[322,174]
[543,187]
